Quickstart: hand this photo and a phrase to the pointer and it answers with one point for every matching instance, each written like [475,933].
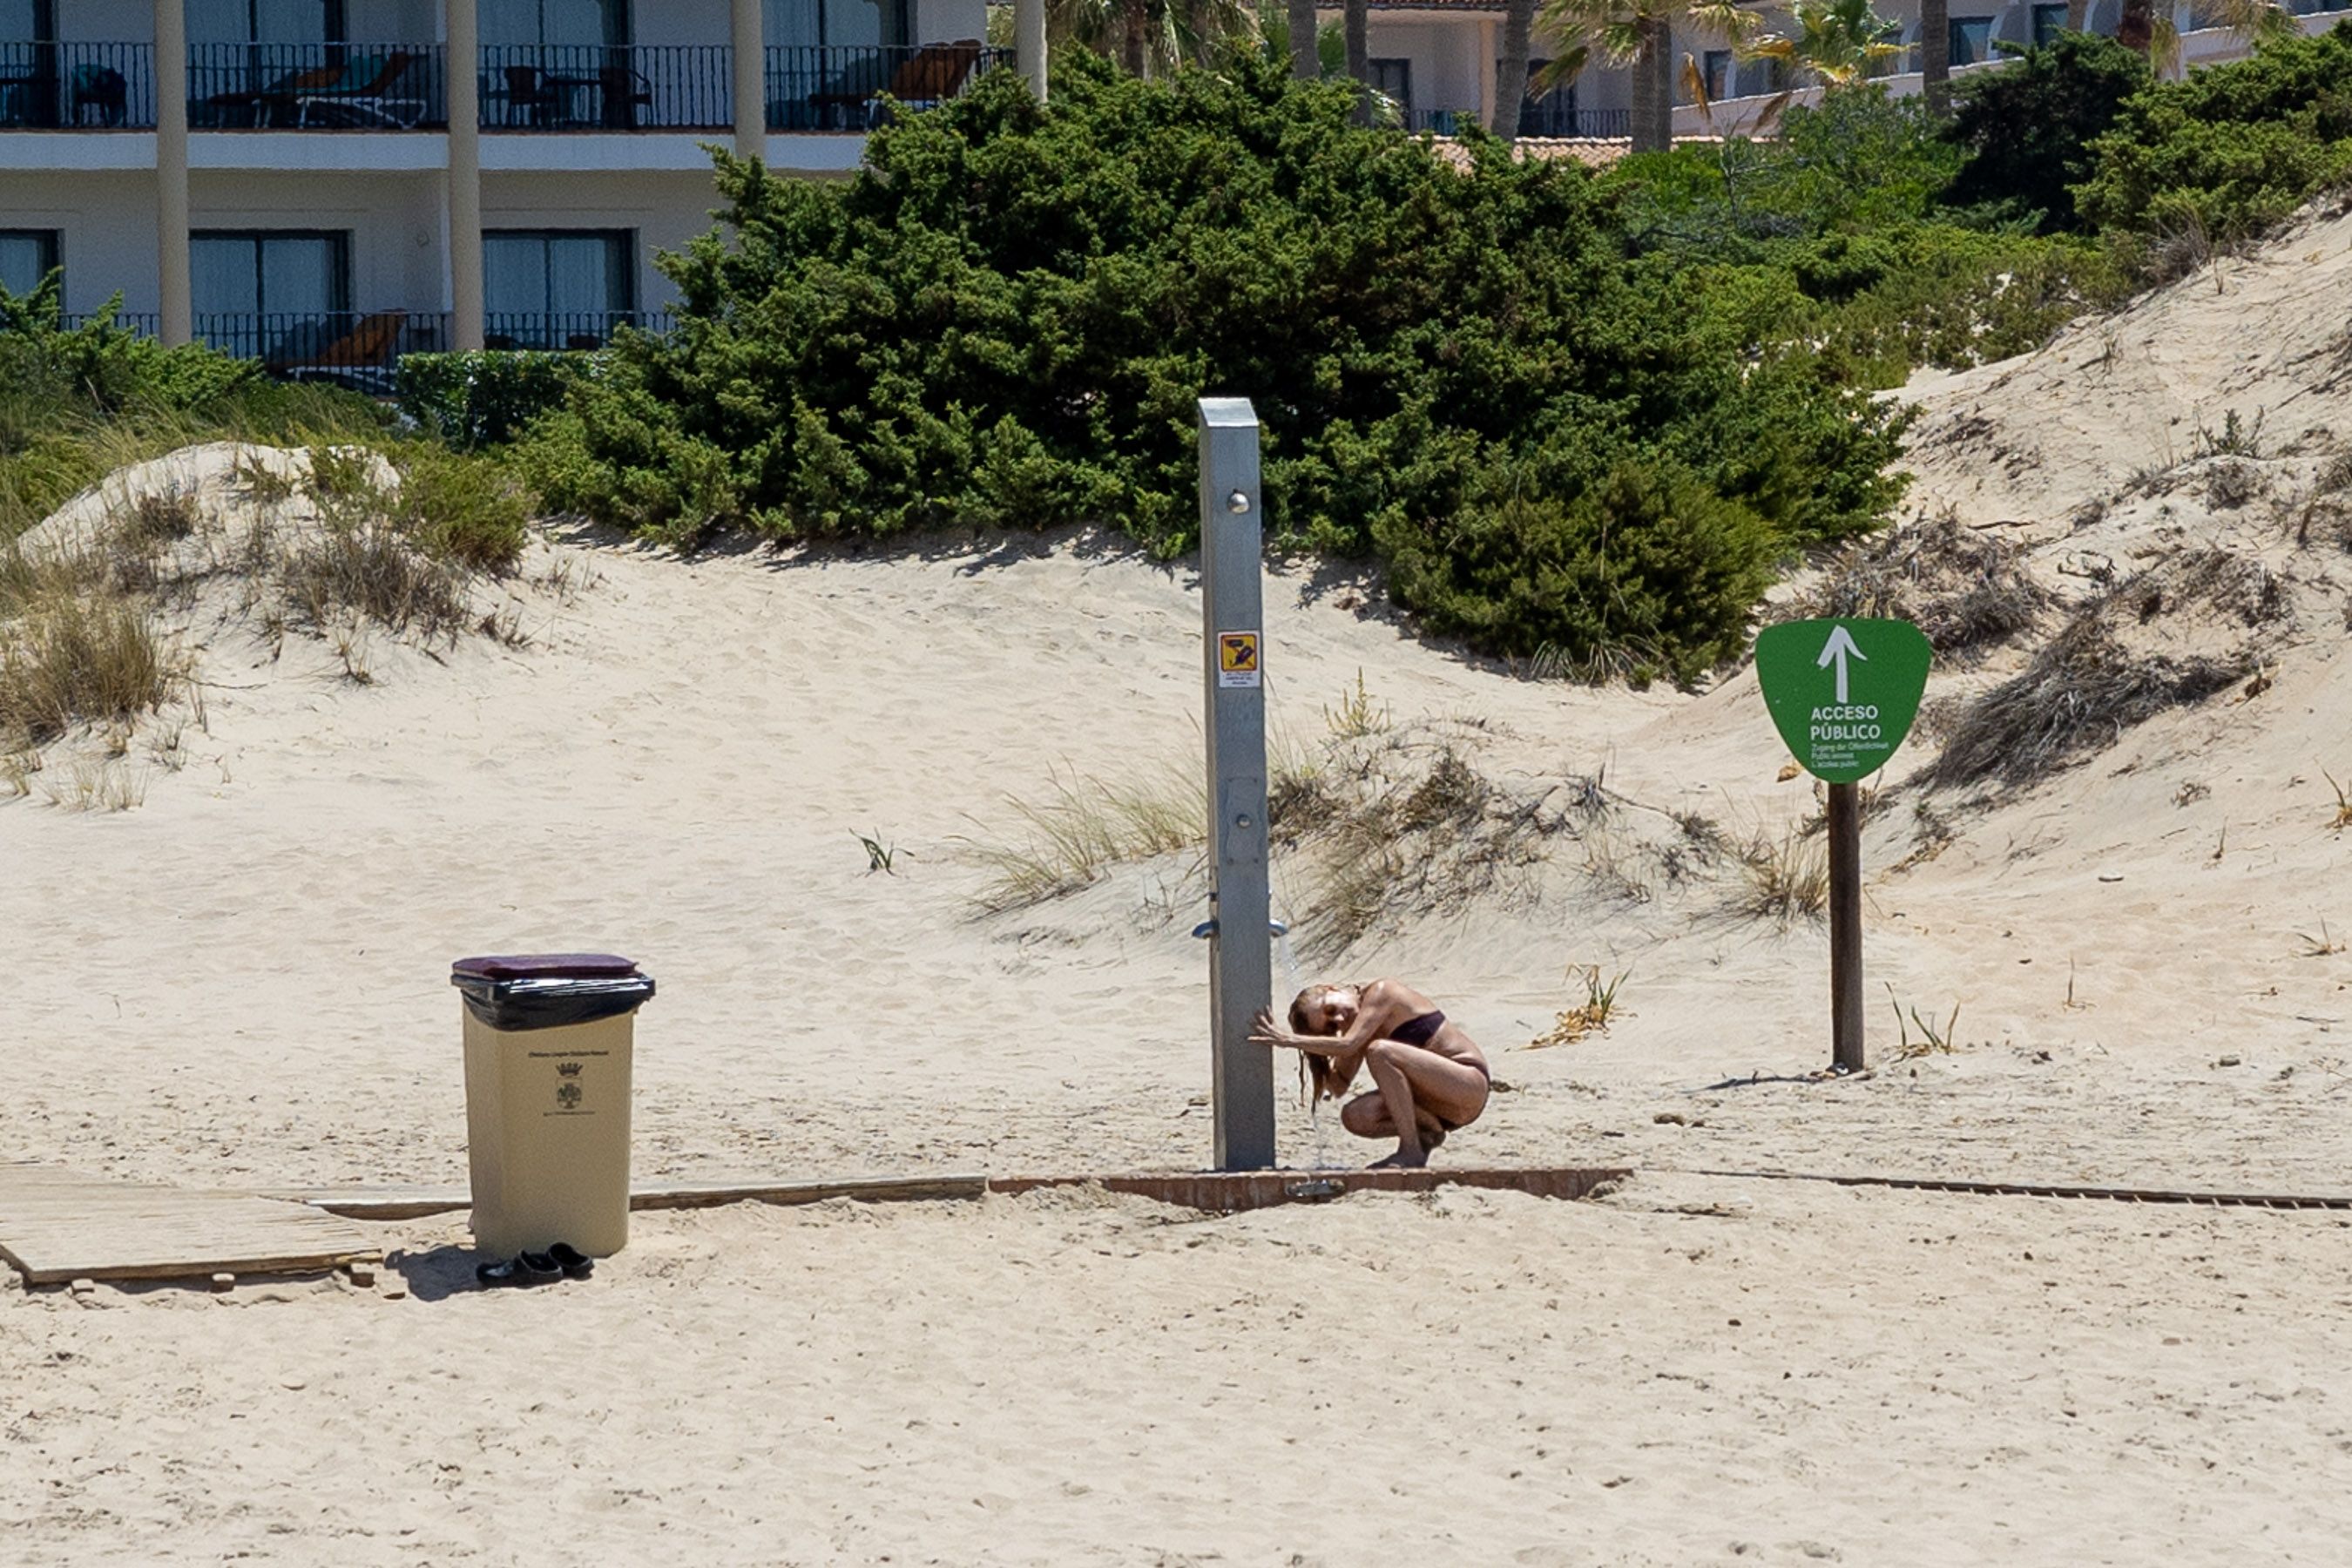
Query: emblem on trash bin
[568,1093]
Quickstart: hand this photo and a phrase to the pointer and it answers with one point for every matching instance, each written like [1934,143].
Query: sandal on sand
[575,1264]
[526,1268]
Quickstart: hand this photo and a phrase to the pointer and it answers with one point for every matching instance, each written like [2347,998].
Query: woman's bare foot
[1402,1161]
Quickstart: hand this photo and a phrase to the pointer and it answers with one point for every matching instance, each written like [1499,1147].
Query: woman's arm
[1375,1017]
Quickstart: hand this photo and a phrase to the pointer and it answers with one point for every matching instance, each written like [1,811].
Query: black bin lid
[546,966]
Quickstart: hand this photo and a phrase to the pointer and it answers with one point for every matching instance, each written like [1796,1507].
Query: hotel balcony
[77,87]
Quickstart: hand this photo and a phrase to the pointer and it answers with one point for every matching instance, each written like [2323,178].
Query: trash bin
[548,1041]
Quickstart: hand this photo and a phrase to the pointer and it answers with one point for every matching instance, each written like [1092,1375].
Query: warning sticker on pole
[1237,658]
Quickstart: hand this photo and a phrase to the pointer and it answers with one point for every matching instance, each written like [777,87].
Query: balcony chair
[924,79]
[622,91]
[99,89]
[370,345]
[530,99]
[364,96]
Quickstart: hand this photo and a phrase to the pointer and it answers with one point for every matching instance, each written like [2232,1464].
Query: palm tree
[1152,38]
[1638,34]
[1832,42]
[2142,27]
[1936,54]
[1511,70]
[1355,16]
[1305,64]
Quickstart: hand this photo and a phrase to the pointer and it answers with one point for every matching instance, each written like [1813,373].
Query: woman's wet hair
[1316,1080]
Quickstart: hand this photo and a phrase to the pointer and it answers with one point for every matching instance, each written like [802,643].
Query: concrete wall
[106,226]
[665,210]
[945,21]
[394,222]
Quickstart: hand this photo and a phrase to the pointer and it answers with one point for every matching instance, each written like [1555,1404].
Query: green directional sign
[1843,693]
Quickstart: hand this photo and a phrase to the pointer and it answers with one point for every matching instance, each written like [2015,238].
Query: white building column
[175,290]
[751,81]
[1029,43]
[463,37]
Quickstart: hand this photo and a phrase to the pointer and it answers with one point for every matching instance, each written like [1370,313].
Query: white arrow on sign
[1840,645]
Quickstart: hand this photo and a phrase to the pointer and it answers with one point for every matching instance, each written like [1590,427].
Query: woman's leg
[1367,1116]
[1415,1083]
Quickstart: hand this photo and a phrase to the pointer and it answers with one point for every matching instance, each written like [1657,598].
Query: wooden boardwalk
[59,1225]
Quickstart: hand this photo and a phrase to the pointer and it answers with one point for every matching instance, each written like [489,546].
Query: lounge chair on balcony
[924,79]
[369,346]
[363,95]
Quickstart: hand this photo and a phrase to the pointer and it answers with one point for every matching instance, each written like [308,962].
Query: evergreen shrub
[2232,150]
[1004,319]
[482,397]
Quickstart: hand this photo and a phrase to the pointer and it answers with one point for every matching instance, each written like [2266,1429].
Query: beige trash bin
[548,1044]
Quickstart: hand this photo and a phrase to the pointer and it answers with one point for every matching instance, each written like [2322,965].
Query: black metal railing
[316,87]
[1536,118]
[94,86]
[597,87]
[146,323]
[843,88]
[1541,119]
[355,348]
[572,330]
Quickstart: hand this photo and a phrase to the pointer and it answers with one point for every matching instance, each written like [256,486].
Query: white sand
[242,982]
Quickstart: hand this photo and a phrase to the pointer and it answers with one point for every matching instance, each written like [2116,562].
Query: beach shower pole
[1240,947]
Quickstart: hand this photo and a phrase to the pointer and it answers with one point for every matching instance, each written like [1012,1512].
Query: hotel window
[556,289]
[835,24]
[555,22]
[265,21]
[1541,113]
[274,294]
[1715,72]
[1392,79]
[26,256]
[1971,39]
[2049,21]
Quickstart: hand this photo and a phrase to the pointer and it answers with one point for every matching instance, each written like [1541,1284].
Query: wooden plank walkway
[1231,1192]
[1213,1191]
[58,1225]
[414,1203]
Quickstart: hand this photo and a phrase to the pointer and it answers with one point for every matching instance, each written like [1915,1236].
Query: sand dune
[242,982]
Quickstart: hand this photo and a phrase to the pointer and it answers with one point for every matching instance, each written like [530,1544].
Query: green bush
[1005,320]
[99,367]
[1839,235]
[485,397]
[1650,564]
[1857,164]
[2232,150]
[78,403]
[2027,128]
[464,509]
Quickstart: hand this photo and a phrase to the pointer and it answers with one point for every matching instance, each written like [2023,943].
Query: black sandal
[575,1264]
[524,1268]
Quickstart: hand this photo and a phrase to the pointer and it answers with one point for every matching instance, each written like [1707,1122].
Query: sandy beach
[242,983]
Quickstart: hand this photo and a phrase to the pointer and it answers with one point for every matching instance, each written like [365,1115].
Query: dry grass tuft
[1412,826]
[2113,666]
[68,659]
[1969,592]
[1786,879]
[1085,828]
[1589,1016]
[2342,802]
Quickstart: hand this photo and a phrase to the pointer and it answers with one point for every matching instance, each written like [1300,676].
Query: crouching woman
[1428,1077]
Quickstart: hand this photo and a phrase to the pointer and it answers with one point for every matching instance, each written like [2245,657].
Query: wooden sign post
[1843,694]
